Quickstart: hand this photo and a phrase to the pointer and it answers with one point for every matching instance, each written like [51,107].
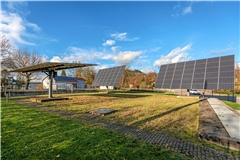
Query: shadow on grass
[138,123]
[169,94]
[29,133]
[120,95]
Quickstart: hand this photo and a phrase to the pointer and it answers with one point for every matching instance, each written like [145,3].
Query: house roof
[67,79]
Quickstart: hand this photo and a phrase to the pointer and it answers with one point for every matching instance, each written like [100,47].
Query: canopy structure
[50,69]
[51,66]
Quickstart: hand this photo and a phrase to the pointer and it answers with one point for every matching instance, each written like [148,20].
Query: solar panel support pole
[107,89]
[50,84]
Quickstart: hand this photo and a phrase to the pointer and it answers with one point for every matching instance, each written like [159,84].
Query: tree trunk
[27,81]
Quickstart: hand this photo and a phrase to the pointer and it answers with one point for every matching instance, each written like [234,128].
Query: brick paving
[190,149]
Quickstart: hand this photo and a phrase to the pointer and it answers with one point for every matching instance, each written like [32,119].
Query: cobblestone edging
[187,148]
[180,146]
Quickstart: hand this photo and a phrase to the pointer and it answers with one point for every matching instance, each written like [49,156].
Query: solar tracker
[109,76]
[211,73]
[51,66]
[50,69]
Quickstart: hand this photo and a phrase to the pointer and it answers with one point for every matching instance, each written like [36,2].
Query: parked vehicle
[194,92]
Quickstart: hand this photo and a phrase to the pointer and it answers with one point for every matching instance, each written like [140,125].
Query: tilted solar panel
[211,73]
[109,76]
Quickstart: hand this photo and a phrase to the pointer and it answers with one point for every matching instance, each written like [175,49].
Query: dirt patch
[211,128]
[209,122]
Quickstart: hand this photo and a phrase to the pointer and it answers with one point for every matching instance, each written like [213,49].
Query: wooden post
[6,96]
[233,100]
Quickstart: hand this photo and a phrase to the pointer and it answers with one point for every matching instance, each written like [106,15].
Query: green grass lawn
[233,105]
[169,115]
[30,133]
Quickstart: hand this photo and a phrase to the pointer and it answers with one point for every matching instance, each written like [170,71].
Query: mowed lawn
[176,117]
[233,105]
[31,133]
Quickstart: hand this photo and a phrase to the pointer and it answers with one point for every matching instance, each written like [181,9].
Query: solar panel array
[211,73]
[109,76]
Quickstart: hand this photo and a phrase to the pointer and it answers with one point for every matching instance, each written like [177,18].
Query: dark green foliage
[233,105]
[63,73]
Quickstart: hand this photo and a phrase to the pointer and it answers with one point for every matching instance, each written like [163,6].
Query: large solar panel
[109,76]
[211,73]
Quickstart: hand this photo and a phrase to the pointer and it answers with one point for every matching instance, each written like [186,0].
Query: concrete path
[229,119]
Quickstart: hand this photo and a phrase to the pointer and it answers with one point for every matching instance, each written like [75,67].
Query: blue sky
[143,35]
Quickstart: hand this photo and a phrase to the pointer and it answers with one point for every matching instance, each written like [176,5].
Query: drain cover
[103,111]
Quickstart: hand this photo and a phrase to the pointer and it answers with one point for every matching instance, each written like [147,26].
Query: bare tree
[6,50]
[4,77]
[24,58]
[6,47]
[237,77]
[19,81]
[73,71]
[88,73]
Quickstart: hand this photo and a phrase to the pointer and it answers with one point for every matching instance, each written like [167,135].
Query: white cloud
[56,59]
[176,6]
[114,49]
[147,70]
[156,49]
[19,7]
[187,10]
[119,36]
[75,54]
[123,37]
[103,67]
[237,65]
[127,57]
[178,10]
[109,43]
[176,55]
[222,50]
[15,28]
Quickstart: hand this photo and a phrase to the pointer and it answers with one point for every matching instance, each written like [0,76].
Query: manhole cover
[103,111]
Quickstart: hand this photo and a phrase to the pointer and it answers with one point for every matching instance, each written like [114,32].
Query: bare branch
[24,58]
[6,47]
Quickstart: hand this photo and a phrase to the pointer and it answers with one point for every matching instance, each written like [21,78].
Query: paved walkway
[229,119]
[180,146]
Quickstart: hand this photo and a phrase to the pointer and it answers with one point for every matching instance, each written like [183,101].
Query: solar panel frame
[109,76]
[210,73]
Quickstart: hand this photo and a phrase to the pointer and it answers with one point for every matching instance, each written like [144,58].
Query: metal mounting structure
[50,68]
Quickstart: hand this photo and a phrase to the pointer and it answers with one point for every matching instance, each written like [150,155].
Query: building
[105,87]
[34,85]
[62,82]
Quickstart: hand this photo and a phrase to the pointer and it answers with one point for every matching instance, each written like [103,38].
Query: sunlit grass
[177,117]
[30,133]
[233,105]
